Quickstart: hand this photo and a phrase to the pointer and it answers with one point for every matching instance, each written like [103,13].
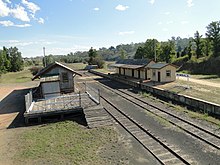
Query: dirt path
[202,82]
[11,111]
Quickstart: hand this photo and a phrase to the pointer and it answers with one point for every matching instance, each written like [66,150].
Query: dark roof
[134,61]
[131,66]
[131,63]
[50,66]
[160,65]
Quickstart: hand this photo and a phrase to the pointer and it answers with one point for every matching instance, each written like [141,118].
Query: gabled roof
[134,61]
[131,63]
[160,65]
[50,66]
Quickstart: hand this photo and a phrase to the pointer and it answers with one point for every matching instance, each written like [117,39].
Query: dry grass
[204,92]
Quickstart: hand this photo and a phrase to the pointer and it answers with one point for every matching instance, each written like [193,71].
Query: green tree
[150,48]
[95,58]
[140,53]
[48,60]
[123,54]
[16,60]
[167,49]
[92,55]
[198,41]
[213,34]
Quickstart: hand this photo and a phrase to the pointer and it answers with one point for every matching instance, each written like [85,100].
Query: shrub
[35,69]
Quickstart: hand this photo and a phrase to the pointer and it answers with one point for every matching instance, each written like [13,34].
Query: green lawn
[76,66]
[64,143]
[16,77]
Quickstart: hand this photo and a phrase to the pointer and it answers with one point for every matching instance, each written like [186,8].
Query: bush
[35,69]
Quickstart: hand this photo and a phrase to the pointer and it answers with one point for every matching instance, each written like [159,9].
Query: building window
[154,73]
[168,73]
[65,77]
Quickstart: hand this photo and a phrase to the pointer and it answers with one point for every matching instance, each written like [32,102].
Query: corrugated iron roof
[134,61]
[132,66]
[159,65]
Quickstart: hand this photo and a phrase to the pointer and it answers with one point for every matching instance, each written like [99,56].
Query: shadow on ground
[14,104]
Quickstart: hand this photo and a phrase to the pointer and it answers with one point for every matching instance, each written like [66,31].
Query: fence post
[85,87]
[80,104]
[99,95]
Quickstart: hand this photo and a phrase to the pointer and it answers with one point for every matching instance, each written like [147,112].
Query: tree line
[197,46]
[10,60]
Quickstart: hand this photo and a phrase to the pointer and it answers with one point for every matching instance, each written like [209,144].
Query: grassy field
[16,77]
[76,66]
[64,143]
[196,90]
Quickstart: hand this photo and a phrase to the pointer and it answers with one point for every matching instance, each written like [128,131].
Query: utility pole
[44,57]
[155,53]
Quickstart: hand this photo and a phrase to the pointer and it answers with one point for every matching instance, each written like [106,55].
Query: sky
[64,26]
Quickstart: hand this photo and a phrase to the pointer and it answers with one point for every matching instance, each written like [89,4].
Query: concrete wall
[198,104]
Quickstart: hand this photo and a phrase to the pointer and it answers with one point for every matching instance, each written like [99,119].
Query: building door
[132,72]
[145,74]
[158,76]
[139,74]
[119,71]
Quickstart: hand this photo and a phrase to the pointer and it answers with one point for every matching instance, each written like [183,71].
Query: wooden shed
[137,68]
[55,79]
[163,72]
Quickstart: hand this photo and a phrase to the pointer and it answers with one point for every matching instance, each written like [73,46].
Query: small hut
[55,79]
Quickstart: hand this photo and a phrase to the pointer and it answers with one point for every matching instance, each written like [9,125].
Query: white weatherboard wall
[172,77]
[163,76]
[51,89]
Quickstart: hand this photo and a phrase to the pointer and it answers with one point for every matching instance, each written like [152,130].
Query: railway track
[162,151]
[193,129]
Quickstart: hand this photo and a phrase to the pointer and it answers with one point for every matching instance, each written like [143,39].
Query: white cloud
[152,2]
[121,7]
[167,13]
[20,13]
[190,3]
[126,33]
[4,9]
[160,23]
[10,23]
[41,21]
[6,23]
[24,13]
[184,22]
[96,9]
[31,6]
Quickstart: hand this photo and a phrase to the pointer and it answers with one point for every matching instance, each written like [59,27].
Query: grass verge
[16,77]
[192,114]
[63,143]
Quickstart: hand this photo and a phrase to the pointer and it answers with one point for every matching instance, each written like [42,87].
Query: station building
[145,69]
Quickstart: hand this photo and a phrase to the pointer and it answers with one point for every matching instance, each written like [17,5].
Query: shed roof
[160,65]
[50,66]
